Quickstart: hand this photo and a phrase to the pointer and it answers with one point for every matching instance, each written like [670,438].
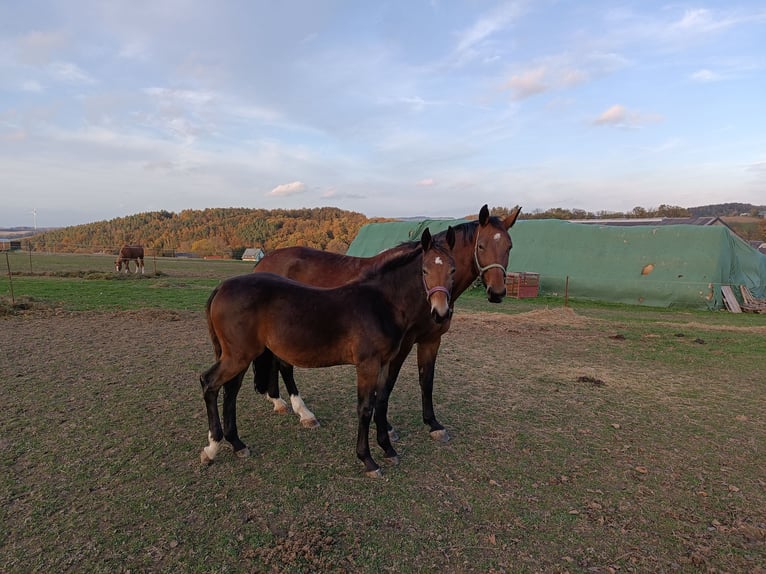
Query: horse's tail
[263,366]
[210,327]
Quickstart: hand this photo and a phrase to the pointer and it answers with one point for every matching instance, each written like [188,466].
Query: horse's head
[438,273]
[491,249]
[117,265]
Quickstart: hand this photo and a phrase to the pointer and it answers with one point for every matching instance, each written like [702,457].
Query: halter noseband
[481,269]
[437,289]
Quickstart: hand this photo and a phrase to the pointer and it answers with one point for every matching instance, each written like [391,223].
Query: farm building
[253,254]
[10,244]
[654,265]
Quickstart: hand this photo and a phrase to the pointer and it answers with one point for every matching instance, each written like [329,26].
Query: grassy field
[591,438]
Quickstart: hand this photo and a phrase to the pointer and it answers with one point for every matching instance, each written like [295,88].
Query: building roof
[655,221]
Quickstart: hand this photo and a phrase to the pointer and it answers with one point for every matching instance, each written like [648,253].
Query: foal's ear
[426,239]
[451,237]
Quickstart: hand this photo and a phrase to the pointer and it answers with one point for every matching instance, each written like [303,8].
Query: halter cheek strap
[476,260]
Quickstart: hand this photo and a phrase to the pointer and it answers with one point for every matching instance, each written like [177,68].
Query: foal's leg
[308,420]
[427,351]
[366,381]
[394,367]
[380,415]
[230,391]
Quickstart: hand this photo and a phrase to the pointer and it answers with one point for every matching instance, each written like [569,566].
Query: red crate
[522,284]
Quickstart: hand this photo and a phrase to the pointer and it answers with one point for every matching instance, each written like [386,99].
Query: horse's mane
[469,228]
[395,258]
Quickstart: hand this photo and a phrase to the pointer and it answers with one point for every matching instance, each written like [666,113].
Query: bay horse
[127,254]
[481,250]
[360,323]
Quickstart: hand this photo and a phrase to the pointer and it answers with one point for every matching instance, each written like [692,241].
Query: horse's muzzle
[495,296]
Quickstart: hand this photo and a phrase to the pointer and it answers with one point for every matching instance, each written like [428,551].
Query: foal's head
[438,273]
[492,246]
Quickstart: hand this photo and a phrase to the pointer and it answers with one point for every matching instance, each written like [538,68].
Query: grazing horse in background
[130,253]
[361,323]
[481,251]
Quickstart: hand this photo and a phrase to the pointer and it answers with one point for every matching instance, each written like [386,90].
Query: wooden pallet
[730,300]
[750,303]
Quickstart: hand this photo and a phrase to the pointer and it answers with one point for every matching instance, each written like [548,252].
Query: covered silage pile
[657,266]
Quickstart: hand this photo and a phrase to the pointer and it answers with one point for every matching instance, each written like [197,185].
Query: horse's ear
[483,215]
[426,239]
[512,217]
[451,237]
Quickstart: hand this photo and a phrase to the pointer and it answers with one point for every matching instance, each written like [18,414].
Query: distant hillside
[726,210]
[220,231]
[229,231]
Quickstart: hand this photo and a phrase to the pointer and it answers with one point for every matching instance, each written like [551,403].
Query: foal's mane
[395,258]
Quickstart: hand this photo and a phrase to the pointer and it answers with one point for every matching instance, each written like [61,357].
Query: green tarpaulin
[657,266]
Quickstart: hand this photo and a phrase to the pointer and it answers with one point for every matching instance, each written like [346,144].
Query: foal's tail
[210,327]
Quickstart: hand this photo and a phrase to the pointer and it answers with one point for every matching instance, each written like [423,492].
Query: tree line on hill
[228,232]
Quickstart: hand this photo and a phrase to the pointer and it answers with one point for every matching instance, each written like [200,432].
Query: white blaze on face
[496,237]
[439,261]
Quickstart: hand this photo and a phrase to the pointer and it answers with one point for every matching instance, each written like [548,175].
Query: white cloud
[428,182]
[39,48]
[527,83]
[31,86]
[471,40]
[619,116]
[288,189]
[705,76]
[70,73]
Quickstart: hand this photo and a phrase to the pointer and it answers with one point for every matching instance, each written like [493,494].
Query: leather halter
[476,260]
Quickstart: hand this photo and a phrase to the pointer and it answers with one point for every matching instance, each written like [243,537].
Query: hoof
[393,435]
[204,458]
[309,423]
[242,453]
[377,473]
[392,460]
[281,409]
[440,435]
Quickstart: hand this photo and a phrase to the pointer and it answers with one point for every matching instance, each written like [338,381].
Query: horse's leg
[142,266]
[380,415]
[427,351]
[308,420]
[394,367]
[230,391]
[212,380]
[367,375]
[266,379]
[215,432]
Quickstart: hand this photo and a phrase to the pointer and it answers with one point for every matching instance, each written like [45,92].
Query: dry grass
[579,445]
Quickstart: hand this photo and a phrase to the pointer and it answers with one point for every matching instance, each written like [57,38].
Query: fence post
[10,278]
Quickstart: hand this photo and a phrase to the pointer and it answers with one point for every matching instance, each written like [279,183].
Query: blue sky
[384,108]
